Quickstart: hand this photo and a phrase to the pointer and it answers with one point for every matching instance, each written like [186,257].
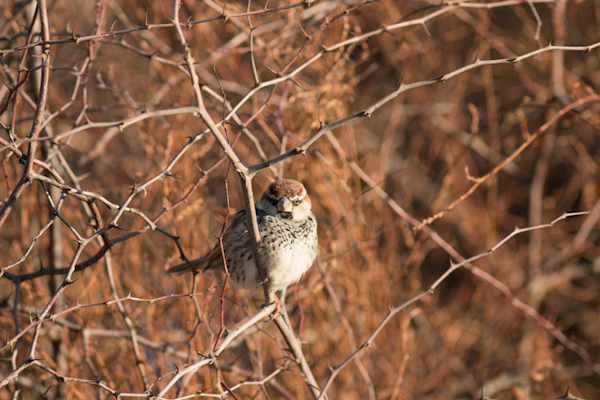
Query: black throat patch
[285,215]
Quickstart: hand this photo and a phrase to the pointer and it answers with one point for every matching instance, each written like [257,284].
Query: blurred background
[522,323]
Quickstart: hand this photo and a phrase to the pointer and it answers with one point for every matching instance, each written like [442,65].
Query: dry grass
[530,339]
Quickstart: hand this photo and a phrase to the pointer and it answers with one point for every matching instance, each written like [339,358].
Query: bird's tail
[199,264]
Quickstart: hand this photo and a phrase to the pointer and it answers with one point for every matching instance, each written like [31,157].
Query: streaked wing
[236,229]
[213,259]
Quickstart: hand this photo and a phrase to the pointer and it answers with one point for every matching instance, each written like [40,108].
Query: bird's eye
[297,202]
[272,201]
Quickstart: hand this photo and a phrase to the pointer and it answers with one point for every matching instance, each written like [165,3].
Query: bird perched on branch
[288,240]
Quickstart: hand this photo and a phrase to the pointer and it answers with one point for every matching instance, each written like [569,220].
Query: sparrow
[288,240]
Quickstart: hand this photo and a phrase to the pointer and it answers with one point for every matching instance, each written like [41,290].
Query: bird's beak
[285,205]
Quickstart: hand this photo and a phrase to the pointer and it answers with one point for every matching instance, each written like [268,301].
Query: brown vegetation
[427,132]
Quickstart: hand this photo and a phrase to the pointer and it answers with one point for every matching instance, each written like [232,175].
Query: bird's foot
[277,312]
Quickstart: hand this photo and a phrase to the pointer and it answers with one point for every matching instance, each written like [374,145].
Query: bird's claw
[277,312]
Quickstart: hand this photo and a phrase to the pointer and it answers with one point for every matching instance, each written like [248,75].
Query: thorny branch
[53,169]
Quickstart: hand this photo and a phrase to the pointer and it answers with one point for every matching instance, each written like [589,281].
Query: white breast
[288,250]
[291,264]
